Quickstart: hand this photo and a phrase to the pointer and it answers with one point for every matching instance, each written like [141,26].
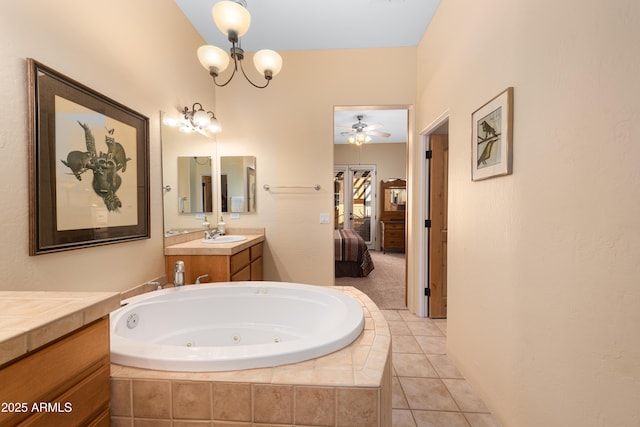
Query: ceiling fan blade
[375,126]
[383,134]
[346,133]
[344,126]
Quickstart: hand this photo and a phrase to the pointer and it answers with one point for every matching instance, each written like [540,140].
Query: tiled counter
[29,320]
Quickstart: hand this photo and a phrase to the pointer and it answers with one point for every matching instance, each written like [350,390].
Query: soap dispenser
[222,226]
[205,223]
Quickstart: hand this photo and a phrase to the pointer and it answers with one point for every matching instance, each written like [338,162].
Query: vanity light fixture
[232,18]
[199,120]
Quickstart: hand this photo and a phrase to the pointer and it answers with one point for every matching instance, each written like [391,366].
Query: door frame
[423,255]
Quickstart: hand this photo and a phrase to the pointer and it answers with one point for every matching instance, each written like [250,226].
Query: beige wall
[126,50]
[544,295]
[289,128]
[390,159]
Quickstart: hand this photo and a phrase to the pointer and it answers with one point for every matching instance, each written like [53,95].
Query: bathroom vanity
[54,358]
[222,262]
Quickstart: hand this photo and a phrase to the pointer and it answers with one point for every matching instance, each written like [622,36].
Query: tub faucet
[178,274]
[201,277]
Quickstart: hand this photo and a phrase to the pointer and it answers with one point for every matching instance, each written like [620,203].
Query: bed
[352,258]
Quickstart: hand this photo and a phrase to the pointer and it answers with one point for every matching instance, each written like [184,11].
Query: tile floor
[428,390]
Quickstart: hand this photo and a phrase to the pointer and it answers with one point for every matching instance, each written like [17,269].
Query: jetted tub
[230,326]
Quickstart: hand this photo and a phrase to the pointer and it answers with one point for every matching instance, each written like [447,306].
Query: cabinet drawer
[256,269]
[256,251]
[85,402]
[46,374]
[394,233]
[239,261]
[242,275]
[393,226]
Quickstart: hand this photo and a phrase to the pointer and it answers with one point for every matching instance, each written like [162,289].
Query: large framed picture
[492,137]
[88,166]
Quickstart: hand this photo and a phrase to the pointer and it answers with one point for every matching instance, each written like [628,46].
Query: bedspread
[351,248]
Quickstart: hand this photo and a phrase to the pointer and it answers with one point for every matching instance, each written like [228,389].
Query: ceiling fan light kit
[360,132]
[233,19]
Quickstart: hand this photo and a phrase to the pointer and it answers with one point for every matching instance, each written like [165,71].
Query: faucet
[158,285]
[210,235]
[178,274]
[200,277]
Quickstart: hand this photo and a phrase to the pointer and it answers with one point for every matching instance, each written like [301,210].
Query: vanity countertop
[198,247]
[31,319]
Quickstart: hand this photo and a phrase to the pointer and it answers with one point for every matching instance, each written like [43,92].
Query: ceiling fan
[360,132]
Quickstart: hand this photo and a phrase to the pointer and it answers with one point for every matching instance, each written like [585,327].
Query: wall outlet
[199,216]
[325,218]
[234,215]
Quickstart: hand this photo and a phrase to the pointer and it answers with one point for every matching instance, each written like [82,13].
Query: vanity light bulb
[170,121]
[201,118]
[214,126]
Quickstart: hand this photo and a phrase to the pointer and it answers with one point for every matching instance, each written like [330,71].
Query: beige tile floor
[428,390]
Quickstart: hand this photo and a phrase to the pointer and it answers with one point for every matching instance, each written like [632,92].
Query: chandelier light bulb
[213,59]
[231,18]
[267,61]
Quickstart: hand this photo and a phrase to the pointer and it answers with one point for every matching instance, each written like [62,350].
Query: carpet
[385,285]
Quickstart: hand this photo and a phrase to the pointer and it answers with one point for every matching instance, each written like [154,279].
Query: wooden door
[207,194]
[438,173]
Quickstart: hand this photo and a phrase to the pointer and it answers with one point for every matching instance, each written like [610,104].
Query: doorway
[435,202]
[355,200]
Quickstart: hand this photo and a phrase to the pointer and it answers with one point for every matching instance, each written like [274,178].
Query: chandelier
[232,18]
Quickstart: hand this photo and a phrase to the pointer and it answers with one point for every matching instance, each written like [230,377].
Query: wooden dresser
[392,235]
[392,215]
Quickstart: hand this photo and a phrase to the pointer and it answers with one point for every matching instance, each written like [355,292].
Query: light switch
[325,218]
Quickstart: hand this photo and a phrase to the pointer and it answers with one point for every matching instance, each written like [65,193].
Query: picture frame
[88,166]
[492,137]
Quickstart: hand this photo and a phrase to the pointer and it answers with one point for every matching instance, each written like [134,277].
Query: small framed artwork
[492,137]
[88,166]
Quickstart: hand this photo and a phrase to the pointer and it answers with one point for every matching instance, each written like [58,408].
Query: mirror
[238,184]
[187,160]
[195,192]
[394,199]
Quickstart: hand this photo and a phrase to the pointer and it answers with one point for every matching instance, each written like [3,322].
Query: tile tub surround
[349,387]
[29,320]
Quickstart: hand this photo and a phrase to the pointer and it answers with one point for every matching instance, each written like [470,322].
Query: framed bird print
[88,166]
[492,137]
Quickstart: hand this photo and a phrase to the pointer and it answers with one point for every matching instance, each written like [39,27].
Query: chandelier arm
[235,68]
[249,80]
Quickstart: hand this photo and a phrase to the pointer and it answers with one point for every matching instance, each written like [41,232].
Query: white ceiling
[320,24]
[327,24]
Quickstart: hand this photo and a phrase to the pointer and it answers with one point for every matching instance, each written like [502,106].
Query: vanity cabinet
[63,383]
[244,265]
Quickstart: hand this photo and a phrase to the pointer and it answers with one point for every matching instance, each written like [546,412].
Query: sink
[225,239]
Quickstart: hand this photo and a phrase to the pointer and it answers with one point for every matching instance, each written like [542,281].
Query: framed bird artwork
[492,137]
[88,166]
